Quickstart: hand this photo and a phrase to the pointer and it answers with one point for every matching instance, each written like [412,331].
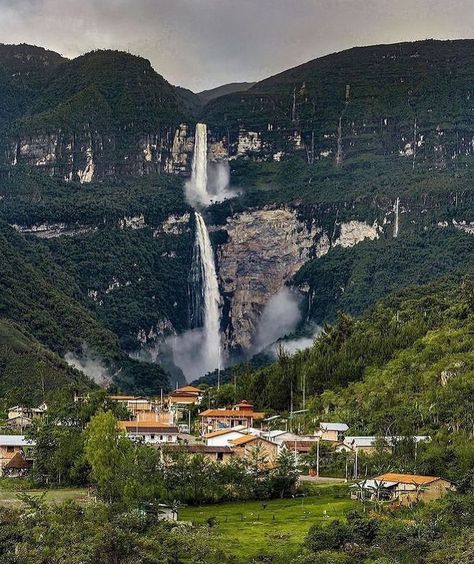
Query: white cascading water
[197,187]
[396,209]
[207,297]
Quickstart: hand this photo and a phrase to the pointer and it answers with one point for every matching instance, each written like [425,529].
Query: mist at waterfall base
[91,365]
[280,317]
[189,353]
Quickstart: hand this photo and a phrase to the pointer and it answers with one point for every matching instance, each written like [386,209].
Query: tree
[110,455]
[285,476]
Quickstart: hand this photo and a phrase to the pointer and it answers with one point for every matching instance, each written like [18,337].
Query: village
[181,422]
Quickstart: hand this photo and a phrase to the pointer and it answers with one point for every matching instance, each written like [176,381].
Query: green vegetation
[58,289]
[112,89]
[88,533]
[274,529]
[9,493]
[421,534]
[404,368]
[354,279]
[30,373]
[41,299]
[380,94]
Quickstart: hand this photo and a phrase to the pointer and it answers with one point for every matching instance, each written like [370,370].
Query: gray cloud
[203,43]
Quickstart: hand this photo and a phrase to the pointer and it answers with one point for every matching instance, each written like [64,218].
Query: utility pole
[317,458]
[304,390]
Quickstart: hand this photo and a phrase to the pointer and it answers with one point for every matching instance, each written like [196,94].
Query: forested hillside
[407,99]
[386,368]
[43,302]
[365,154]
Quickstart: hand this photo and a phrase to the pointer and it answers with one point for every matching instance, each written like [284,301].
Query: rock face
[264,249]
[354,232]
[88,155]
[53,230]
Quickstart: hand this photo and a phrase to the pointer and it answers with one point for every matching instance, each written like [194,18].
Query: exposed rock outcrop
[264,249]
[53,230]
[89,155]
[354,232]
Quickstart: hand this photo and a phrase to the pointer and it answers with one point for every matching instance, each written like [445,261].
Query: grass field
[247,529]
[8,496]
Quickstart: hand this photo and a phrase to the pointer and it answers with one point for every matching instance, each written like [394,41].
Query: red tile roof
[235,413]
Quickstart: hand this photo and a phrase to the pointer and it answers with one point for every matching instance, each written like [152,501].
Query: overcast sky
[200,44]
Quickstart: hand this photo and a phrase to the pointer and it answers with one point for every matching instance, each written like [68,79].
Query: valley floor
[275,527]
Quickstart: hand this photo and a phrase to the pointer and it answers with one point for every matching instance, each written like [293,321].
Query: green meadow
[275,527]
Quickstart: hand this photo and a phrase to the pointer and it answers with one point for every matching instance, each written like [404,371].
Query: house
[274,435]
[244,447]
[18,466]
[298,447]
[151,430]
[370,444]
[223,437]
[10,445]
[20,417]
[402,488]
[241,414]
[135,404]
[286,436]
[184,397]
[333,432]
[211,453]
[18,423]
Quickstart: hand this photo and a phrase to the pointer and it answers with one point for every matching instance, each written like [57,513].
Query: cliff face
[103,114]
[89,155]
[264,249]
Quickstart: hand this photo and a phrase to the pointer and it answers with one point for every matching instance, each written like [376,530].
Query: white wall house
[332,431]
[224,437]
[149,432]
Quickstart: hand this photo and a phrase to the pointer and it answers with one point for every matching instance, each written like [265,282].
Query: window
[170,438]
[161,437]
[220,456]
[152,437]
[10,449]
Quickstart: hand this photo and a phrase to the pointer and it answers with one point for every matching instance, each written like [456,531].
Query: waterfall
[198,350]
[205,296]
[396,211]
[196,188]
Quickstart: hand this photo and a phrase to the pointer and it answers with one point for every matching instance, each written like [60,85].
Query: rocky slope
[265,248]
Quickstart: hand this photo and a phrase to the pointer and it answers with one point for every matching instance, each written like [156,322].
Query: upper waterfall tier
[196,188]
